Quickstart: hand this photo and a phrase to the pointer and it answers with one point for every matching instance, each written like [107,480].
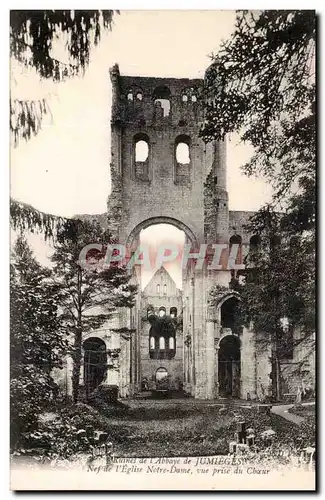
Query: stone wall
[248,364]
[263,366]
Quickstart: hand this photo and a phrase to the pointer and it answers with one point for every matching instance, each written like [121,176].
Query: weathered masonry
[162,172]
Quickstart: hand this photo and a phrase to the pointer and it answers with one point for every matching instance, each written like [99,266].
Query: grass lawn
[161,428]
[182,428]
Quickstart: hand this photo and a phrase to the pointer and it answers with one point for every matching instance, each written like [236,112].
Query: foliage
[164,325]
[208,430]
[216,293]
[24,217]
[37,341]
[33,34]
[64,433]
[88,296]
[280,277]
[279,282]
[261,84]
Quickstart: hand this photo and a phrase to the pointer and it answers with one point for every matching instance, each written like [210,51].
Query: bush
[31,393]
[60,435]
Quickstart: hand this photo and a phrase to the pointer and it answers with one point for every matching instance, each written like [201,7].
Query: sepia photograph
[162,250]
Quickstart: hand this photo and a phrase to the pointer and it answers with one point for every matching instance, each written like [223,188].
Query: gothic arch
[224,335]
[228,295]
[162,220]
[215,312]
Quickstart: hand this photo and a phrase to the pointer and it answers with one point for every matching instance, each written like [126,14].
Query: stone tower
[165,115]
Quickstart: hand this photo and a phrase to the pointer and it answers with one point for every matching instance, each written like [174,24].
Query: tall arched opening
[164,306]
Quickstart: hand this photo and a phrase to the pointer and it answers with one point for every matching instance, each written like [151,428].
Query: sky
[65,169]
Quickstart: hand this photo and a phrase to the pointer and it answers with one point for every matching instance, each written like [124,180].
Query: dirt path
[283,411]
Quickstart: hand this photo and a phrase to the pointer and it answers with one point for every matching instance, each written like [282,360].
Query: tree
[24,217]
[278,290]
[33,34]
[37,339]
[88,297]
[261,85]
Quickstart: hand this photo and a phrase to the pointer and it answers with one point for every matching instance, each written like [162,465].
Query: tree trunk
[76,364]
[276,376]
[77,355]
[76,367]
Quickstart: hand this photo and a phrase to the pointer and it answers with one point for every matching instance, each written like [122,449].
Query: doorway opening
[229,367]
[162,379]
[95,363]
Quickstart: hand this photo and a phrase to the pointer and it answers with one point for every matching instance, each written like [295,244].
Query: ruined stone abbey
[205,354]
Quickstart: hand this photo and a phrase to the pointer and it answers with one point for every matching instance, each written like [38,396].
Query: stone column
[248,364]
[113,373]
[210,359]
[113,351]
[199,338]
[263,365]
[125,368]
[216,368]
[217,335]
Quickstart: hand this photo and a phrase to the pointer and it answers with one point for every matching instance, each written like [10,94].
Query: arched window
[235,240]
[130,95]
[141,157]
[160,345]
[139,96]
[150,313]
[162,95]
[230,315]
[158,289]
[173,312]
[183,153]
[162,311]
[141,151]
[182,160]
[165,289]
[189,94]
